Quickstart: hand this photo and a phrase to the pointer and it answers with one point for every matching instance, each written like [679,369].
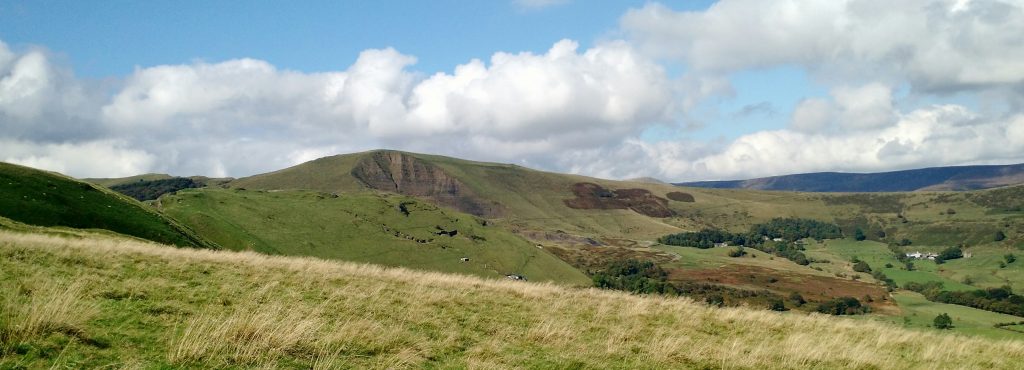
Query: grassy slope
[42,198]
[103,301]
[361,227]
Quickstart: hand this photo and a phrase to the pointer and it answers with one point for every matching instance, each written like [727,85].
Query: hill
[96,301]
[47,199]
[937,178]
[518,197]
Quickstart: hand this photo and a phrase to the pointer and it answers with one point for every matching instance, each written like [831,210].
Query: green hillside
[42,198]
[105,302]
[391,230]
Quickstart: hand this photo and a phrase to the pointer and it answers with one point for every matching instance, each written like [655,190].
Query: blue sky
[110,38]
[685,90]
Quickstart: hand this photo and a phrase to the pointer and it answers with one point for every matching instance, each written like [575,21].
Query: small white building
[920,255]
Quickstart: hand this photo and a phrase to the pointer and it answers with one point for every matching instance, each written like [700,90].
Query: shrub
[1010,258]
[634,276]
[738,252]
[943,321]
[861,266]
[797,299]
[842,306]
[776,304]
[715,300]
[1000,236]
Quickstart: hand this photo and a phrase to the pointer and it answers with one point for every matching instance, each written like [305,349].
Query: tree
[950,253]
[943,321]
[1000,236]
[861,266]
[738,252]
[859,234]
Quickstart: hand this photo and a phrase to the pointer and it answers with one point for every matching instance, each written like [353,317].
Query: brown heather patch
[251,310]
[642,201]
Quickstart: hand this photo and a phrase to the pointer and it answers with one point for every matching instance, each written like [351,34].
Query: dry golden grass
[51,307]
[199,308]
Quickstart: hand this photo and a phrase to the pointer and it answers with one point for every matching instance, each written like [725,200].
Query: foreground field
[100,301]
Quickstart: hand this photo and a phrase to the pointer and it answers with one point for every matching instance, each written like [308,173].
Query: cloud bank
[244,116]
[910,84]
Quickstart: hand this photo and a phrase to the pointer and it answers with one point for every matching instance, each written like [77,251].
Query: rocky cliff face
[400,173]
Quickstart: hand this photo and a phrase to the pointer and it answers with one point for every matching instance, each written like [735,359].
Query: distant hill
[956,178]
[43,198]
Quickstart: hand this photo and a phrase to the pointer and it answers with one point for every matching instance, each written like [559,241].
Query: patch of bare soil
[594,196]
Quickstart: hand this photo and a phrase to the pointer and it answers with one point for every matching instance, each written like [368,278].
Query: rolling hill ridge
[956,178]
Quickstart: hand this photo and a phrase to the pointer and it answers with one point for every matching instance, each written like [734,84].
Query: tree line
[1002,299]
[762,237]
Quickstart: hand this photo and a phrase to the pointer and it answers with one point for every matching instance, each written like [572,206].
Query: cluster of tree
[792,252]
[634,276]
[788,229]
[843,306]
[793,229]
[149,190]
[762,237]
[950,253]
[704,239]
[1001,300]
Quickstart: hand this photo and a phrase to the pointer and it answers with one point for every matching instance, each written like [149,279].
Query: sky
[680,91]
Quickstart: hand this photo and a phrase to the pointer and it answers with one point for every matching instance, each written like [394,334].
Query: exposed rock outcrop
[401,173]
